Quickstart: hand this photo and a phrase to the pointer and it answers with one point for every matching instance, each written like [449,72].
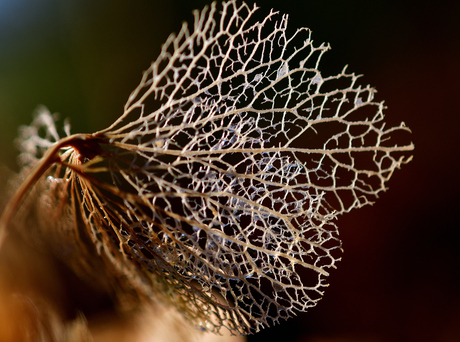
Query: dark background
[400,277]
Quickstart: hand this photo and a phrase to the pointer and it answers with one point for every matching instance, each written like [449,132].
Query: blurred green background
[400,275]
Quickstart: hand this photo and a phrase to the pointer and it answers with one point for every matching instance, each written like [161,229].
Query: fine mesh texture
[218,187]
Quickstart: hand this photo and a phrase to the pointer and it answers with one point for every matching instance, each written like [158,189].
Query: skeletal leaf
[218,187]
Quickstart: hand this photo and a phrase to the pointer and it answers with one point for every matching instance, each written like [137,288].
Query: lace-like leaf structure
[218,188]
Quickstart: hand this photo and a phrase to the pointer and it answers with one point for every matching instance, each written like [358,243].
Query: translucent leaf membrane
[218,188]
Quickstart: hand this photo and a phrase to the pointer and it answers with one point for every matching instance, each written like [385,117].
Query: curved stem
[51,156]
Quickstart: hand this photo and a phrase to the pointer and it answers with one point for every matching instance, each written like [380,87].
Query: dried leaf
[218,187]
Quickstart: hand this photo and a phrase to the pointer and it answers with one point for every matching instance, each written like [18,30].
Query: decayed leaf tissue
[216,192]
